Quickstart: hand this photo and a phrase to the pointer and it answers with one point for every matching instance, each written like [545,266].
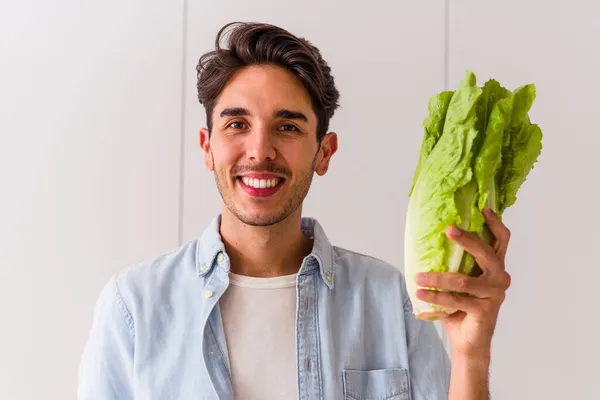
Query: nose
[260,145]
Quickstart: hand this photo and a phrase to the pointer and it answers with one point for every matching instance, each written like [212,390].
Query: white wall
[95,99]
[90,126]
[547,344]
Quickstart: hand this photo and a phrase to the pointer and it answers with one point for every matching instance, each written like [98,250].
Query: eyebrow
[288,114]
[234,112]
[283,113]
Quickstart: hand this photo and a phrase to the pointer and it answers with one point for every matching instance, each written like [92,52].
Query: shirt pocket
[379,384]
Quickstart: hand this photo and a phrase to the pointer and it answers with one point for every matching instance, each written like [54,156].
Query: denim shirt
[157,332]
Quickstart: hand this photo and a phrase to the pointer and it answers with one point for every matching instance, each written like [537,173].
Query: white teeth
[260,183]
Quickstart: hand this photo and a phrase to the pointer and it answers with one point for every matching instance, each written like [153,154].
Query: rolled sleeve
[106,367]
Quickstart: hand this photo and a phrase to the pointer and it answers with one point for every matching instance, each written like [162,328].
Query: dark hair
[265,44]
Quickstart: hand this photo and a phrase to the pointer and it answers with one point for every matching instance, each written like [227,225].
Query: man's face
[263,146]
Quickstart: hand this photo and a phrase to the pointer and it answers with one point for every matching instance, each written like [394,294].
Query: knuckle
[462,283]
[508,280]
[506,233]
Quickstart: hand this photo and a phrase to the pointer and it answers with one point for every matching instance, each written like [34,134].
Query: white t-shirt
[259,317]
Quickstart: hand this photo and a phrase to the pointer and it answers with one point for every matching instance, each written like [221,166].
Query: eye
[236,125]
[289,128]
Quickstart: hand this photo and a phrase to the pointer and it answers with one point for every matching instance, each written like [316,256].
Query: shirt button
[221,257]
[208,294]
[328,278]
[203,268]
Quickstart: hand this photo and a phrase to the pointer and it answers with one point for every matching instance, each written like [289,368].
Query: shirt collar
[210,250]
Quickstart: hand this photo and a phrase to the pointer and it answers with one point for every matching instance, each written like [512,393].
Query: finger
[457,282]
[484,254]
[499,230]
[470,305]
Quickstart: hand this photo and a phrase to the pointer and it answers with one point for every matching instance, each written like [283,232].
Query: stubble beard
[297,194]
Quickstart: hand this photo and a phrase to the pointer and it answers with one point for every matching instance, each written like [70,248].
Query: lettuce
[478,148]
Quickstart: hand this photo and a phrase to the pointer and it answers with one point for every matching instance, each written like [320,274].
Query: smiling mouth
[260,183]
[260,187]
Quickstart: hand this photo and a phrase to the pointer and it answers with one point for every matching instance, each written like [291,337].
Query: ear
[329,146]
[205,145]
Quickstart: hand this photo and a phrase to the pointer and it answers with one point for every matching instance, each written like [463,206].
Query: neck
[264,251]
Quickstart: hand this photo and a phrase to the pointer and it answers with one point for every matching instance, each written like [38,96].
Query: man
[262,305]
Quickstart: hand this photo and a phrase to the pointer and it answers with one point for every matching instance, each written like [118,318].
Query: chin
[259,217]
[263,220]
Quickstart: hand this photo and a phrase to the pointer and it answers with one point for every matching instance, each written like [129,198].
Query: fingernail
[454,231]
[488,211]
[421,278]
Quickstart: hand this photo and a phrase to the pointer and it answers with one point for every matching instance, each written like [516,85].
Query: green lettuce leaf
[434,125]
[523,145]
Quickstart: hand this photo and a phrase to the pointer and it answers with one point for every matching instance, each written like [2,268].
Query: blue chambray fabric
[157,331]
